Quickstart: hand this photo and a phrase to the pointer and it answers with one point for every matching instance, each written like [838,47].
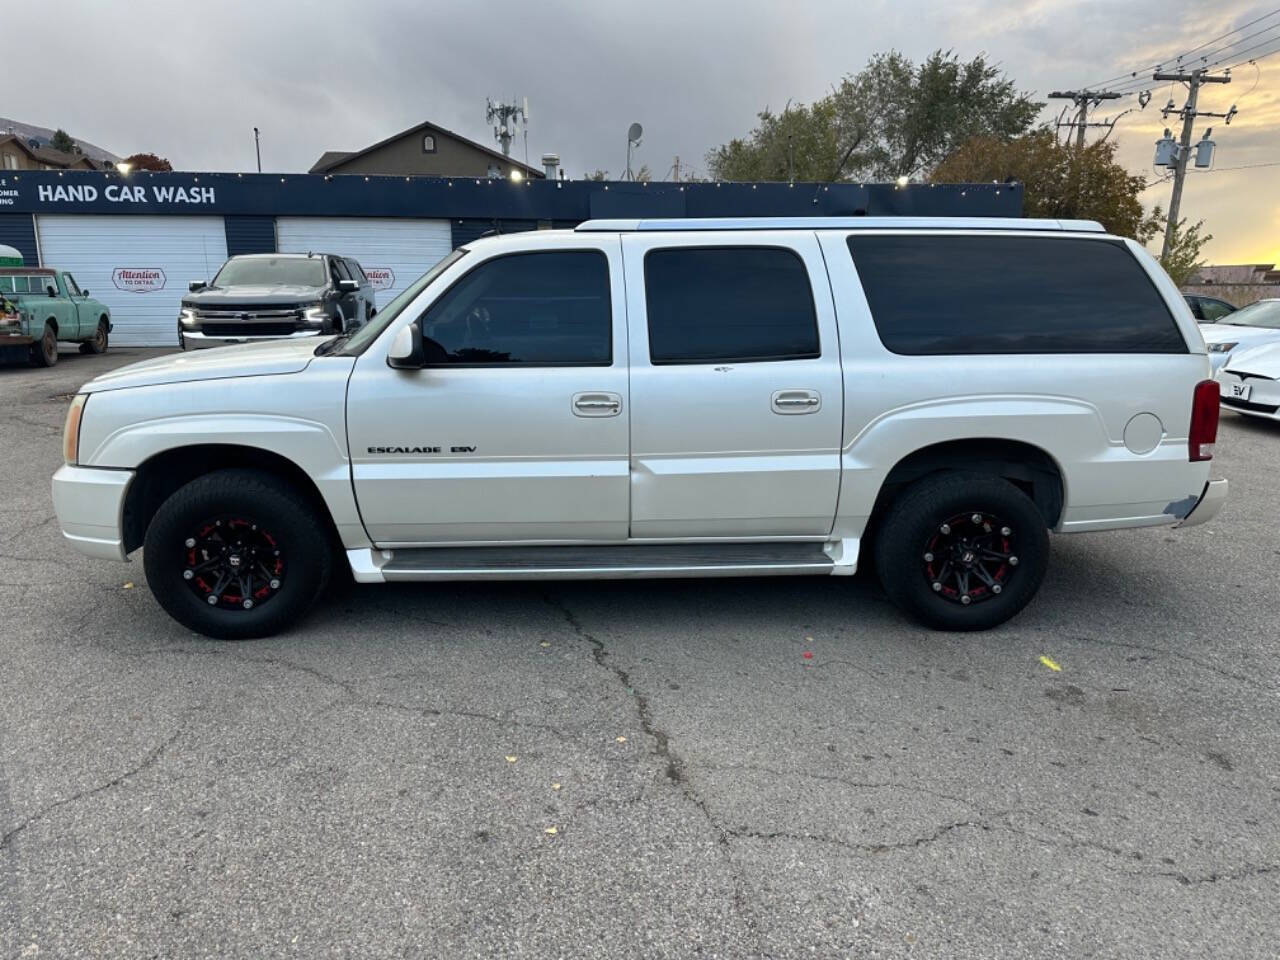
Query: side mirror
[194,285]
[406,351]
[85,293]
[348,286]
[51,291]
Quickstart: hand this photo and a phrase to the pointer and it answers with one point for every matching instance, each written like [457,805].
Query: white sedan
[1250,326]
[1249,382]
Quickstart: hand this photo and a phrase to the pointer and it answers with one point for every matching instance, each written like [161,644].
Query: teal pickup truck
[40,306]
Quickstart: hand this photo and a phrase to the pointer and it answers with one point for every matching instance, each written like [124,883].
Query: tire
[98,345]
[44,353]
[241,519]
[929,536]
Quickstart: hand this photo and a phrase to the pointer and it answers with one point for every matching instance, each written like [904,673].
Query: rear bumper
[198,341]
[89,503]
[15,340]
[1208,506]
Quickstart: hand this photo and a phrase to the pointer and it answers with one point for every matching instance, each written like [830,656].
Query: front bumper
[1208,506]
[192,340]
[89,503]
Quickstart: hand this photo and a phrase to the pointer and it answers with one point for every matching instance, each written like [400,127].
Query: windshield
[271,271]
[359,341]
[1264,313]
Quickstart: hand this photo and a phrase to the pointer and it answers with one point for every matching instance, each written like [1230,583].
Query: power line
[1244,166]
[1134,73]
[1237,53]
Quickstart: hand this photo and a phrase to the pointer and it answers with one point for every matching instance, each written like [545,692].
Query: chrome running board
[591,563]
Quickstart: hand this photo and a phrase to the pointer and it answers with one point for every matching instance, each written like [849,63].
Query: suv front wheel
[236,554]
[962,551]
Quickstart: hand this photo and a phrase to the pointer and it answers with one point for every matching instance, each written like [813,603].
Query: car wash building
[135,241]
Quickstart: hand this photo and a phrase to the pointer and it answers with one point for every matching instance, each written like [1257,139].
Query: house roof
[332,158]
[54,158]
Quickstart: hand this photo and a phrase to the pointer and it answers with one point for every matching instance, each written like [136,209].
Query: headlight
[315,315]
[187,317]
[71,431]
[1223,347]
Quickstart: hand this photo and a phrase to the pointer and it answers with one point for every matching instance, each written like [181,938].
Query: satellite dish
[635,132]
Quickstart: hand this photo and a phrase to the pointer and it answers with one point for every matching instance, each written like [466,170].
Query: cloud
[190,80]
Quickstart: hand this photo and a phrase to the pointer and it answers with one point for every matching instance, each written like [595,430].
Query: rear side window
[1215,310]
[721,304]
[933,295]
[544,309]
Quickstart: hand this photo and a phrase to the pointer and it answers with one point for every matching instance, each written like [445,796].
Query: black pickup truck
[273,296]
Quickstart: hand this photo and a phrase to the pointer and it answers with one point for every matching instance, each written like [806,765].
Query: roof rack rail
[838,223]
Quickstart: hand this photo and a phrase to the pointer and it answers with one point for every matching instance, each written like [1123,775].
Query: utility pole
[1194,80]
[257,148]
[1082,99]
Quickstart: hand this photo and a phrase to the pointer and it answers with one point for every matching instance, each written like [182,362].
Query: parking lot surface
[721,768]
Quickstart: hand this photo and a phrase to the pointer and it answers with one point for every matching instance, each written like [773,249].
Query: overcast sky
[189,80]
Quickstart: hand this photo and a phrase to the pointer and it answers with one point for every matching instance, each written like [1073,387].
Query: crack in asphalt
[351,696]
[876,848]
[674,767]
[151,758]
[1195,661]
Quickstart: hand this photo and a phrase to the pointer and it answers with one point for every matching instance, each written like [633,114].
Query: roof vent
[550,164]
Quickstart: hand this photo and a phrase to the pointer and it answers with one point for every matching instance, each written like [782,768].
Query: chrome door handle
[796,401]
[597,404]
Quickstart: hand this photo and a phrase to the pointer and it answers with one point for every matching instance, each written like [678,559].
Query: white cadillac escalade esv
[670,399]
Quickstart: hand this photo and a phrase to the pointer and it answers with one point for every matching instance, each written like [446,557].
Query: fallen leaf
[511,758]
[621,739]
[544,643]
[1050,664]
[551,831]
[555,786]
[129,585]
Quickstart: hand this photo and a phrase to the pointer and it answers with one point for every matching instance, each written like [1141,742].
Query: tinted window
[1215,310]
[980,294]
[1194,304]
[356,271]
[271,271]
[529,308]
[339,270]
[713,304]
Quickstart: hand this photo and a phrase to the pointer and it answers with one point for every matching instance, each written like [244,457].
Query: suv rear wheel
[962,551]
[236,554]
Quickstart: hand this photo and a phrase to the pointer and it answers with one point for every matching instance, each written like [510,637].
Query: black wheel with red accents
[236,554]
[962,551]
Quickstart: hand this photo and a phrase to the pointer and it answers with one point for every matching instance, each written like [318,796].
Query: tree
[61,140]
[893,118]
[1183,256]
[1059,180]
[598,175]
[148,161]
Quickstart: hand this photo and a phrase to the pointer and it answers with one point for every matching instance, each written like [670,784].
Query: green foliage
[894,118]
[1059,180]
[61,140]
[598,175]
[1182,259]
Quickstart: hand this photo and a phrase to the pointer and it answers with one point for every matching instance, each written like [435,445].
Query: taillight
[1204,421]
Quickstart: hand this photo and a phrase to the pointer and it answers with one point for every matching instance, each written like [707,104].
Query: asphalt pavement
[722,768]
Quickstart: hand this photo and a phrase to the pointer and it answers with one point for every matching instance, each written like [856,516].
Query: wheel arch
[161,475]
[1030,468]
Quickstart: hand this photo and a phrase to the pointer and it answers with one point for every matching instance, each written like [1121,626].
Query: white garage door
[394,253]
[137,266]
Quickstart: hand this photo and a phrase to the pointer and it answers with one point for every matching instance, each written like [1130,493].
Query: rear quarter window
[932,295]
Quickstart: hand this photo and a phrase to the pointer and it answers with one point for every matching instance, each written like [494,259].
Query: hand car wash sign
[134,193]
